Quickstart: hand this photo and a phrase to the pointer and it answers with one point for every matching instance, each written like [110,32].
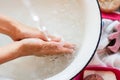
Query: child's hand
[39,47]
[18,31]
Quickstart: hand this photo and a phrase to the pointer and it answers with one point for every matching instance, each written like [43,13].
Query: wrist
[23,49]
[17,48]
[16,31]
[10,52]
[9,26]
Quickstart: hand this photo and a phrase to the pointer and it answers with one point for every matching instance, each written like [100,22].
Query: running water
[35,18]
[33,14]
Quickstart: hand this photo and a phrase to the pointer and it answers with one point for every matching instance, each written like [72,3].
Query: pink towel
[112,16]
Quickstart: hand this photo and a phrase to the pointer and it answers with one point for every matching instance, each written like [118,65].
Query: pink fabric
[115,36]
[99,68]
[112,16]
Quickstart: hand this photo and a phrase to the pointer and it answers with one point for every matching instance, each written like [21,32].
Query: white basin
[77,21]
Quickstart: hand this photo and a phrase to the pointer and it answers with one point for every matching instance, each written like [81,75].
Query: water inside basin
[61,17]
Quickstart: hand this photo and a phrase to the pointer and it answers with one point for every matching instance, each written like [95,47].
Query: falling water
[35,18]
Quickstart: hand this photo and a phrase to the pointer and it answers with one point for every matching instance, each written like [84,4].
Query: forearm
[9,52]
[18,31]
[8,26]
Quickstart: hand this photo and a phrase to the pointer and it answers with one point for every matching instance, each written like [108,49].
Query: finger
[69,45]
[49,36]
[43,36]
[54,38]
[32,42]
[67,51]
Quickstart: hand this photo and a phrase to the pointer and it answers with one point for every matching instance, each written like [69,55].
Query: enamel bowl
[77,21]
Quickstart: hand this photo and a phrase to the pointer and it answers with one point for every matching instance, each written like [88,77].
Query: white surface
[78,21]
